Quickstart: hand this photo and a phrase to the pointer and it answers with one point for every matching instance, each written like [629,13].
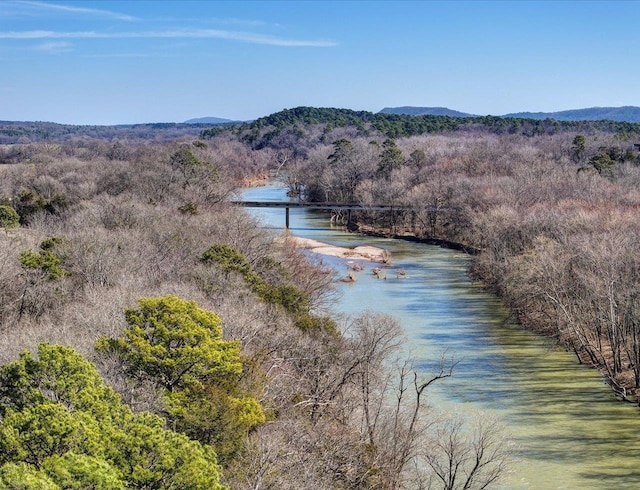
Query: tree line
[296,123]
[24,132]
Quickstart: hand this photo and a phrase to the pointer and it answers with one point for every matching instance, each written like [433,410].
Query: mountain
[12,132]
[620,114]
[208,120]
[424,111]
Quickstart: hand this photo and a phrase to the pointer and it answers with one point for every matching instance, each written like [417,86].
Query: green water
[568,429]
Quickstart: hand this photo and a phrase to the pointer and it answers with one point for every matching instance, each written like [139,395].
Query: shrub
[9,218]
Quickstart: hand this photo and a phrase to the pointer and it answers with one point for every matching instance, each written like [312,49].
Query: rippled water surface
[569,430]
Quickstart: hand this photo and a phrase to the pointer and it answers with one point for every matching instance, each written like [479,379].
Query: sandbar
[362,252]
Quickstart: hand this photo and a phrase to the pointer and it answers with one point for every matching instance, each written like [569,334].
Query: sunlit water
[568,429]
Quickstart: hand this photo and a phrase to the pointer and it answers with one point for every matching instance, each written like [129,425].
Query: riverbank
[488,268]
[623,386]
[461,247]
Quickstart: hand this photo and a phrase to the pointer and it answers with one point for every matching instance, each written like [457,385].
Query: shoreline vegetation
[621,387]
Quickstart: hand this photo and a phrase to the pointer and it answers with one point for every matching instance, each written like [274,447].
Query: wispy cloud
[78,10]
[122,55]
[224,21]
[54,47]
[233,21]
[247,37]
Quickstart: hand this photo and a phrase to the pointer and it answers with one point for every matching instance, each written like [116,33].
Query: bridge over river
[329,206]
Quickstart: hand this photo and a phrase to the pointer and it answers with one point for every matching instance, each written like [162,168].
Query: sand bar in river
[363,252]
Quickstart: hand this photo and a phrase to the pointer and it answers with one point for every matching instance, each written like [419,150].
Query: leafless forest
[101,223]
[552,219]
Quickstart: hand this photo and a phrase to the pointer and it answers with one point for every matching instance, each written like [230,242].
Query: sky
[126,62]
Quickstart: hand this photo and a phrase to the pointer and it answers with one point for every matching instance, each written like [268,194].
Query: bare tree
[462,457]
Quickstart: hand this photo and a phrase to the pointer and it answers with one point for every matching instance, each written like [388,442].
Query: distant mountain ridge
[291,124]
[208,120]
[619,114]
[425,111]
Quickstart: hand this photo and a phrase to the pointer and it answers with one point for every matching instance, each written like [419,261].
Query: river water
[568,429]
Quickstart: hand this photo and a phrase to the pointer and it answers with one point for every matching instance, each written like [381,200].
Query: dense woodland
[550,215]
[151,336]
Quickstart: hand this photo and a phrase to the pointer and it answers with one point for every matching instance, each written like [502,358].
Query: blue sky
[119,62]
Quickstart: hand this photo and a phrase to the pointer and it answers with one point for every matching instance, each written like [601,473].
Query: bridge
[318,205]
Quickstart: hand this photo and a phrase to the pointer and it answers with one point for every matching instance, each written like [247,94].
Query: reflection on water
[570,431]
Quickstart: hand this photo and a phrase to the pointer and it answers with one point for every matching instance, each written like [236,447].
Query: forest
[551,219]
[152,336]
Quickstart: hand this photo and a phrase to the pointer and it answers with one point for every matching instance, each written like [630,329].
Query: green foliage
[417,158]
[184,157]
[314,115]
[36,433]
[9,218]
[217,415]
[29,202]
[603,163]
[176,343]
[45,259]
[231,260]
[179,346]
[292,299]
[21,476]
[342,152]
[228,258]
[312,323]
[390,158]
[190,169]
[51,242]
[265,131]
[78,472]
[61,427]
[578,148]
[215,131]
[59,375]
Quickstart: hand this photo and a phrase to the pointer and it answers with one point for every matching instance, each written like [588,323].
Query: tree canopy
[62,427]
[175,342]
[9,218]
[263,130]
[179,347]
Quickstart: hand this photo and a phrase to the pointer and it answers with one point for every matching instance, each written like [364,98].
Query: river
[568,429]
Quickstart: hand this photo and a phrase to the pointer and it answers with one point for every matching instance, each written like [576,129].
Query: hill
[424,111]
[620,114]
[289,125]
[12,132]
[629,114]
[281,129]
[208,120]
